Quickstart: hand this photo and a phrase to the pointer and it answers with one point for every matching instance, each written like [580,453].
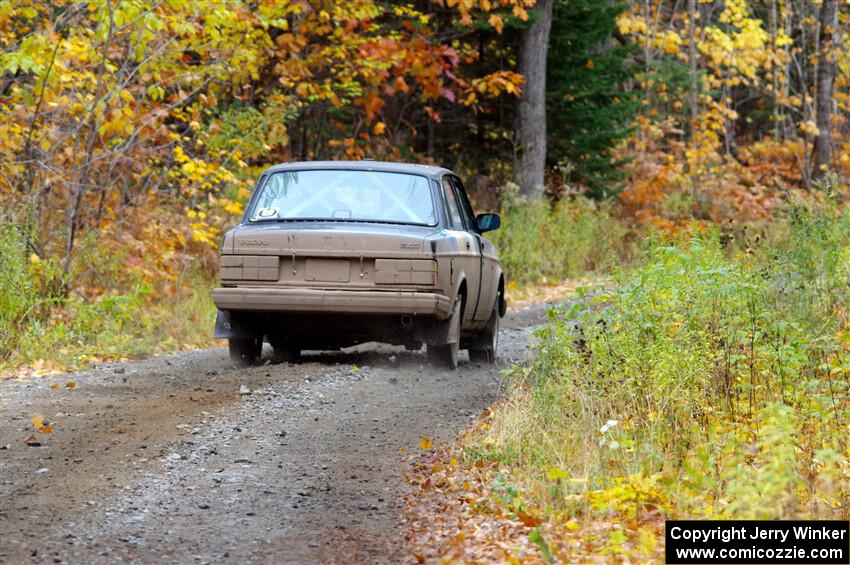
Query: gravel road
[164,461]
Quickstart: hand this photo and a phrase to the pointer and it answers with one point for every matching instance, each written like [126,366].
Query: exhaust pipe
[406,321]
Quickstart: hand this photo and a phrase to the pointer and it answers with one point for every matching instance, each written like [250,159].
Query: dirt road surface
[164,461]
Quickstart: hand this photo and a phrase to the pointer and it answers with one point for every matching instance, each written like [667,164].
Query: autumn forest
[688,161]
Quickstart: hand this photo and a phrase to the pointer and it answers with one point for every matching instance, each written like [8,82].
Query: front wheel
[245,352]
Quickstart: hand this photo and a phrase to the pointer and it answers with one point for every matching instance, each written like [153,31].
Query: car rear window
[341,195]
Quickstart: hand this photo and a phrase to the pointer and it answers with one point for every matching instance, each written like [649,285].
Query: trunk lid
[329,255]
[329,240]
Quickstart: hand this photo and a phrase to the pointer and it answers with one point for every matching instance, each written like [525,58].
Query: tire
[245,352]
[486,345]
[446,355]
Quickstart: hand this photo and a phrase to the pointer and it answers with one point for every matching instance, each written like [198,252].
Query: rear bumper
[336,301]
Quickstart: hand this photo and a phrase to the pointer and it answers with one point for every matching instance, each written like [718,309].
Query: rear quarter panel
[453,257]
[490,275]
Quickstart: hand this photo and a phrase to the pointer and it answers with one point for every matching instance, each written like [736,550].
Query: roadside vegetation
[541,244]
[711,381]
[119,313]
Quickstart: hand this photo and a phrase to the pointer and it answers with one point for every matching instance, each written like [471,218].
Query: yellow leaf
[497,22]
[234,207]
[54,386]
[41,425]
[425,443]
[555,474]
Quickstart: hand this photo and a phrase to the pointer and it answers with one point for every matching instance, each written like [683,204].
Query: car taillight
[250,267]
[406,271]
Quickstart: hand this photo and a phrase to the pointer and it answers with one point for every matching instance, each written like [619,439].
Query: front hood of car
[329,239]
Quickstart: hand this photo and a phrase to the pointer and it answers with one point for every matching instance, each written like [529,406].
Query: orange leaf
[70,384]
[41,425]
[529,520]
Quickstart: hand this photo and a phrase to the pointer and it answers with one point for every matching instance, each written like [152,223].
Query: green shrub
[723,375]
[18,293]
[126,319]
[539,243]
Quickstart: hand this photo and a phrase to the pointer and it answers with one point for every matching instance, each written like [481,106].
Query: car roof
[384,166]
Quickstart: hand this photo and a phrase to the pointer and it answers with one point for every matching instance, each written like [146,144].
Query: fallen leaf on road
[70,384]
[425,443]
[41,425]
[528,519]
[32,441]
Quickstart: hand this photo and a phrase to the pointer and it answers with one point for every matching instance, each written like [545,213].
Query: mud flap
[443,331]
[227,327]
[454,324]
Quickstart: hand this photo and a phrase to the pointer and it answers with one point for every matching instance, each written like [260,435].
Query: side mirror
[488,222]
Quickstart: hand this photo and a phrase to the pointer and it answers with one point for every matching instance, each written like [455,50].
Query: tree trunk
[776,110]
[825,81]
[79,188]
[692,62]
[531,113]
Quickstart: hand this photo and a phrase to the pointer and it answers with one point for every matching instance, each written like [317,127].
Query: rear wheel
[245,352]
[447,354]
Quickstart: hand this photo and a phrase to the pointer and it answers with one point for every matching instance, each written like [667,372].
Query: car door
[467,250]
[488,285]
[474,270]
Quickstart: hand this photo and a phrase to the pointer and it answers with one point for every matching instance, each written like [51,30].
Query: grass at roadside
[710,382]
[43,330]
[542,245]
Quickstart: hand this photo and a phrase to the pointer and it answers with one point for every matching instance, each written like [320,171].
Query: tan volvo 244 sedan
[332,254]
